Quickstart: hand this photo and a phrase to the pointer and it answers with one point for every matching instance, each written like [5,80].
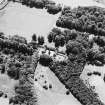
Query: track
[3,4]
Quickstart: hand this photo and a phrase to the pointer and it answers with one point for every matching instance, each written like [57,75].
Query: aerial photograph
[52,52]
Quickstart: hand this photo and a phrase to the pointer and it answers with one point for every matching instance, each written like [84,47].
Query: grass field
[24,21]
[95,80]
[7,87]
[57,94]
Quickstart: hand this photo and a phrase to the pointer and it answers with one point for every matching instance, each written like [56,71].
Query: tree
[57,41]
[32,3]
[3,69]
[60,23]
[18,39]
[2,35]
[13,72]
[100,57]
[53,9]
[39,4]
[100,40]
[65,9]
[73,47]
[62,40]
[1,93]
[49,2]
[1,59]
[96,73]
[6,51]
[56,30]
[104,78]
[34,37]
[40,40]
[45,60]
[67,34]
[50,37]
[73,34]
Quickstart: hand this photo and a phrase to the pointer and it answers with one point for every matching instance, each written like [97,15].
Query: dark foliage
[95,57]
[45,60]
[51,6]
[97,73]
[3,69]
[85,19]
[45,87]
[100,40]
[50,37]
[50,86]
[1,59]
[61,38]
[1,93]
[90,55]
[34,37]
[53,9]
[72,82]
[94,73]
[89,74]
[40,40]
[56,36]
[13,73]
[67,92]
[39,4]
[64,72]
[2,35]
[104,78]
[74,47]
[18,39]
[13,100]
[10,45]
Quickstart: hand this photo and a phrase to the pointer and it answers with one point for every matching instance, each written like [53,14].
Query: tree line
[50,6]
[17,44]
[89,19]
[15,47]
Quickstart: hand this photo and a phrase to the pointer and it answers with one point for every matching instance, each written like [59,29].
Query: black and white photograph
[52,52]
